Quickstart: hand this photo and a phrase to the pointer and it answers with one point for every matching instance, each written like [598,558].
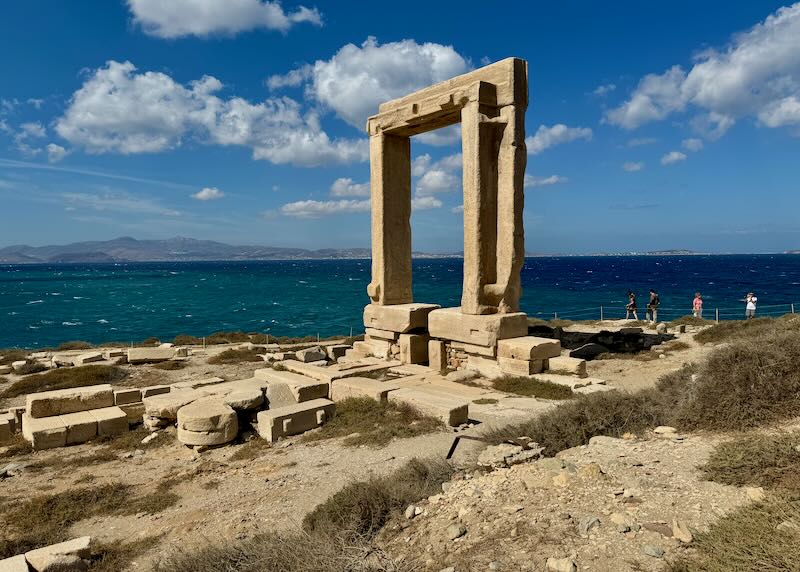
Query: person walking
[750,306]
[652,306]
[697,305]
[631,307]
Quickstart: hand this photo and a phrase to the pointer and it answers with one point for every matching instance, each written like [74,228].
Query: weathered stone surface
[155,390]
[520,366]
[294,419]
[336,351]
[570,365]
[51,558]
[166,406]
[437,355]
[63,360]
[485,351]
[400,318]
[561,565]
[5,369]
[150,355]
[81,427]
[6,428]
[361,387]
[485,367]
[302,388]
[529,348]
[245,399]
[110,421]
[481,330]
[413,348]
[88,357]
[14,564]
[378,347]
[451,410]
[381,334]
[17,365]
[205,414]
[63,401]
[133,411]
[311,354]
[125,396]
[198,383]
[588,351]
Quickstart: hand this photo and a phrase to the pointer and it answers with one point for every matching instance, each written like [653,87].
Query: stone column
[390,181]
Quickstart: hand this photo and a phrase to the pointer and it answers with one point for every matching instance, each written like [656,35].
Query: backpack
[656,301]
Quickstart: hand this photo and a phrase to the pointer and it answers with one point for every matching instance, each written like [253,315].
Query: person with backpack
[631,307]
[652,306]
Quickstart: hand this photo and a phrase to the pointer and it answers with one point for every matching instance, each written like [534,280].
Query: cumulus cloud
[208,194]
[532,181]
[318,209]
[434,177]
[55,152]
[425,203]
[604,90]
[123,111]
[178,18]
[546,137]
[632,167]
[757,74]
[692,144]
[345,187]
[358,78]
[673,157]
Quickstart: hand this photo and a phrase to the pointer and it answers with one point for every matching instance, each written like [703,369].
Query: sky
[650,126]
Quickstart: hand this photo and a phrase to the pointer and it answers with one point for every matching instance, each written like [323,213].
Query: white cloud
[208,194]
[55,152]
[37,103]
[33,130]
[441,176]
[457,210]
[120,110]
[692,144]
[177,18]
[112,201]
[673,157]
[425,203]
[358,78]
[632,167]
[317,209]
[532,181]
[546,137]
[345,187]
[757,74]
[604,90]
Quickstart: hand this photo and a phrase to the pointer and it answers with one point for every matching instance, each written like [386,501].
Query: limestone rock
[681,531]
[206,414]
[311,354]
[653,551]
[755,494]
[455,531]
[89,357]
[664,430]
[294,419]
[64,401]
[661,328]
[14,564]
[150,355]
[561,565]
[245,399]
[62,557]
[588,351]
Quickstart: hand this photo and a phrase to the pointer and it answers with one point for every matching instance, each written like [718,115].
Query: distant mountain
[127,249]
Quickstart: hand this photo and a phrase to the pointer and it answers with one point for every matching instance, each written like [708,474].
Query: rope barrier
[610,310]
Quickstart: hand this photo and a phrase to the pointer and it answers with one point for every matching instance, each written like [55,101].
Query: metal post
[317,337]
[555,315]
[351,331]
[204,342]
[792,307]
[601,313]
[717,313]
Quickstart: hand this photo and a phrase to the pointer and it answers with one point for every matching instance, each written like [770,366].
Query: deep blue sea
[44,305]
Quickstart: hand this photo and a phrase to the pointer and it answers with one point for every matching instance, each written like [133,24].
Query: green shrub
[235,356]
[170,365]
[186,340]
[31,367]
[750,329]
[74,345]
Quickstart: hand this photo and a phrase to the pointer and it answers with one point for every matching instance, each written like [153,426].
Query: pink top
[698,303]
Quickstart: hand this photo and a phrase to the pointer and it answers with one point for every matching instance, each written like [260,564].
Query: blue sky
[651,126]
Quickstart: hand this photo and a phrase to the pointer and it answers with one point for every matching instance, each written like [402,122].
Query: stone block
[486,367]
[6,429]
[485,351]
[17,412]
[17,365]
[520,366]
[44,433]
[206,414]
[361,387]
[14,564]
[529,348]
[63,360]
[198,383]
[452,411]
[125,396]
[437,355]
[400,318]
[55,558]
[294,419]
[150,355]
[286,388]
[88,357]
[114,353]
[166,406]
[413,348]
[378,347]
[63,401]
[336,351]
[311,354]
[5,369]
[569,365]
[155,390]
[133,411]
[110,421]
[381,334]
[81,427]
[245,399]
[480,330]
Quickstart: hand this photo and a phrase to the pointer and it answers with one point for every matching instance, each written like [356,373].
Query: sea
[44,305]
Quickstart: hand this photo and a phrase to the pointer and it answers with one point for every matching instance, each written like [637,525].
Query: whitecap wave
[36,302]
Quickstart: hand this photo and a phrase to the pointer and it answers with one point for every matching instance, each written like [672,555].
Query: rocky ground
[609,506]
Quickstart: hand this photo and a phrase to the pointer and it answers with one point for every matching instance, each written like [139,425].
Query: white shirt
[751,303]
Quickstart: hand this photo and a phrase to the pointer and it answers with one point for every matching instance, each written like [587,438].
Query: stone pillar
[390,181]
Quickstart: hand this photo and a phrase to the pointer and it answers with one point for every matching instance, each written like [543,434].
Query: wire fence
[617,312]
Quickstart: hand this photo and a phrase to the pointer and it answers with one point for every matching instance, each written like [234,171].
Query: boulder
[65,556]
[14,564]
[588,351]
[311,354]
[18,365]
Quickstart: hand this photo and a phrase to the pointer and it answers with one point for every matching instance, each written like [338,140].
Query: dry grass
[119,556]
[644,356]
[46,519]
[31,367]
[65,378]
[251,450]
[170,365]
[364,421]
[235,356]
[16,447]
[60,463]
[769,461]
[484,401]
[676,346]
[74,345]
[690,320]
[3,379]
[132,440]
[738,329]
[186,340]
[9,356]
[528,387]
[748,539]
